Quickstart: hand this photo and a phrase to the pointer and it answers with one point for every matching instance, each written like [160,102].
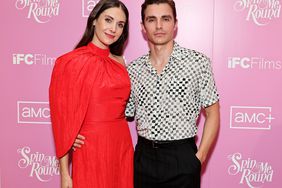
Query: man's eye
[166,19]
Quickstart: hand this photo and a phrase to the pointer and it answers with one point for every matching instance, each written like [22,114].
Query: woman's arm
[66,181]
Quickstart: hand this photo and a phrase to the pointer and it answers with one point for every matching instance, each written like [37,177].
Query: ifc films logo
[254,63]
[251,117]
[33,59]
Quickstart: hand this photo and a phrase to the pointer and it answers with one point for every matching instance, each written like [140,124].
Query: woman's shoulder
[75,60]
[76,53]
[79,56]
[119,59]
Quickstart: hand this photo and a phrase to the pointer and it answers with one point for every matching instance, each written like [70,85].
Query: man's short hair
[151,2]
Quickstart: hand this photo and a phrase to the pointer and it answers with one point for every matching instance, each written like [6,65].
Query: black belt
[164,143]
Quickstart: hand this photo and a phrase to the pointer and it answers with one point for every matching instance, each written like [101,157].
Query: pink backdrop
[242,37]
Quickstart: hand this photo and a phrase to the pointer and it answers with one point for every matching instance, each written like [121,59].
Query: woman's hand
[79,141]
[66,181]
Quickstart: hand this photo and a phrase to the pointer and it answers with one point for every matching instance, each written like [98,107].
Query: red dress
[88,95]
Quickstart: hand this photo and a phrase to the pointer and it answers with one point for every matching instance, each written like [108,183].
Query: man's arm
[211,128]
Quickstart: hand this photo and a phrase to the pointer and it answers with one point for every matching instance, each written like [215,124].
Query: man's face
[159,24]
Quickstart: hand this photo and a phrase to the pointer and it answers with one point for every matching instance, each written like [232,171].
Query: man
[169,86]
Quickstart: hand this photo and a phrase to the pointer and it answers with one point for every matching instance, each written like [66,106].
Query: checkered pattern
[166,106]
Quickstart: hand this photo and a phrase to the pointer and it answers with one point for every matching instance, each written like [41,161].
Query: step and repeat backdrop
[242,37]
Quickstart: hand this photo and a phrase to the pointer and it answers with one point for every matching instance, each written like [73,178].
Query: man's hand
[79,141]
[210,131]
[200,157]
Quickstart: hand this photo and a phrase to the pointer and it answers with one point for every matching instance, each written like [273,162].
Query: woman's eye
[121,25]
[108,20]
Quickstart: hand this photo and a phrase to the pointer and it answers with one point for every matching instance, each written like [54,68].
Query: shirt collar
[176,52]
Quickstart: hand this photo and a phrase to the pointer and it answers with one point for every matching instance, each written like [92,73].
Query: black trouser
[166,165]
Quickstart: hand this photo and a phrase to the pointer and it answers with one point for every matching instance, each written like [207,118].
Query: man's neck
[160,52]
[159,55]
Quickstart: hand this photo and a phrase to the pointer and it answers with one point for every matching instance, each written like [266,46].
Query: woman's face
[108,27]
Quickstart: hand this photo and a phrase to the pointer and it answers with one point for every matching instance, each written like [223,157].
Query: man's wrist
[201,156]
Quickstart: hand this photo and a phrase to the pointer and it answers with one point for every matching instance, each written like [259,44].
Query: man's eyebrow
[166,16]
[150,17]
[154,17]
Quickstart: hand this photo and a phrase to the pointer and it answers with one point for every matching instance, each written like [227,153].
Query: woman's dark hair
[117,47]
[151,2]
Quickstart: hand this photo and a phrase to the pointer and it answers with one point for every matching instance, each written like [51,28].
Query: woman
[88,94]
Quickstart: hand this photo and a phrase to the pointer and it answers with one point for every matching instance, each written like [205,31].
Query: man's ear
[143,27]
[175,25]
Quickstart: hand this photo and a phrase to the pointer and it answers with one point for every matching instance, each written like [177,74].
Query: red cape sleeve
[69,93]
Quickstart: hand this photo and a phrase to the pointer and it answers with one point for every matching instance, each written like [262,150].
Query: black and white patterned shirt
[166,106]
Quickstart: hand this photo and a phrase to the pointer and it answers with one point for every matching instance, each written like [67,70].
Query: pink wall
[242,37]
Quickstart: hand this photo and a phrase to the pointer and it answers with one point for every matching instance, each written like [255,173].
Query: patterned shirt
[166,106]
